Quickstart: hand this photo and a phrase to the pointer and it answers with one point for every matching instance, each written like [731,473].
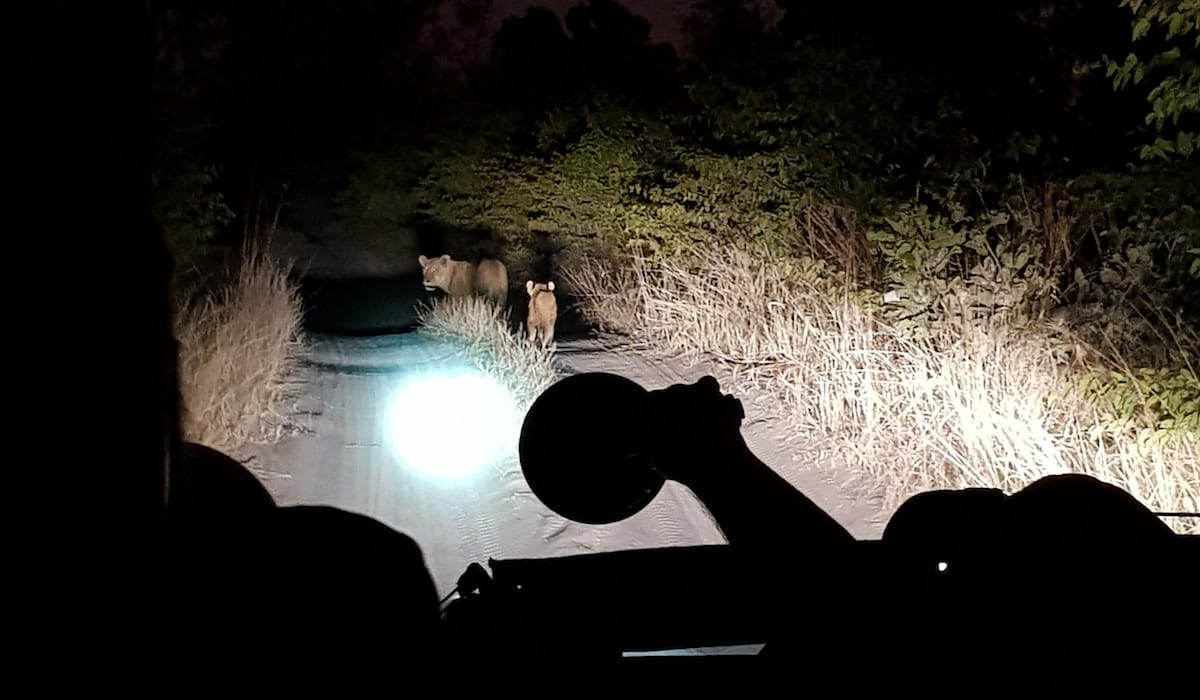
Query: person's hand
[692,427]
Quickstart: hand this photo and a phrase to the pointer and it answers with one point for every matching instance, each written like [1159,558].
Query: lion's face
[436,272]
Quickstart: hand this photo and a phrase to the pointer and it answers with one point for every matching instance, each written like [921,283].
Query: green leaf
[1140,28]
[1176,25]
[1185,144]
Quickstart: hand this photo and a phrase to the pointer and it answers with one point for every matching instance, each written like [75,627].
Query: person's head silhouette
[138,555]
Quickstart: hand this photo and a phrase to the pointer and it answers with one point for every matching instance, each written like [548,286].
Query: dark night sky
[664,15]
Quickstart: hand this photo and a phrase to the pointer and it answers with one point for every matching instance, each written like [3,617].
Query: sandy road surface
[361,357]
[343,460]
[359,360]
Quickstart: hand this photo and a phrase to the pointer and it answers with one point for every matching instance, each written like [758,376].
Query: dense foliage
[1171,65]
[940,177]
[795,146]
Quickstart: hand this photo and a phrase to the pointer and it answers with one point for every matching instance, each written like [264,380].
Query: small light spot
[942,566]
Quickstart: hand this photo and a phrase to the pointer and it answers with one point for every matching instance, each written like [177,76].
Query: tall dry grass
[524,368]
[239,348]
[963,408]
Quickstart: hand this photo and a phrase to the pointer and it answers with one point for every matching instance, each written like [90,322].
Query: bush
[784,160]
[1147,404]
[240,347]
[524,368]
[958,407]
[1140,292]
[186,205]
[1172,70]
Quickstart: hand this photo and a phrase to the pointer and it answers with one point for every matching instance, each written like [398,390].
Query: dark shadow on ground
[365,306]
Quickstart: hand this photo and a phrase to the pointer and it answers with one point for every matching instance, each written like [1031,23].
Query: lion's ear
[550,286]
[529,287]
[445,258]
[423,260]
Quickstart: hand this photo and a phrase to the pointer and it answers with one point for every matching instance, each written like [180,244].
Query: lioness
[459,278]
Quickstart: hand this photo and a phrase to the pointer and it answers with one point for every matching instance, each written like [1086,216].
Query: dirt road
[343,457]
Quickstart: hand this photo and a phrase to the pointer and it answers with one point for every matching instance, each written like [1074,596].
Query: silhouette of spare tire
[580,449]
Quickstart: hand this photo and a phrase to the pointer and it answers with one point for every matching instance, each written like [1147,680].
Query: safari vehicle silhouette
[939,594]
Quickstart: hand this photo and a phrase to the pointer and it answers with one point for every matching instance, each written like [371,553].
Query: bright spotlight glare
[452,426]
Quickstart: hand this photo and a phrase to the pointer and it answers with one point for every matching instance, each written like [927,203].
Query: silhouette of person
[293,598]
[792,544]
[140,561]
[1069,579]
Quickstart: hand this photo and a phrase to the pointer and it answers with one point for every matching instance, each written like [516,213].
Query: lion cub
[543,312]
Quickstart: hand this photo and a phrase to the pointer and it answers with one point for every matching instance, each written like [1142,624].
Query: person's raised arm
[695,437]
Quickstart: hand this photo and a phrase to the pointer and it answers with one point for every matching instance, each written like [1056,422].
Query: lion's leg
[548,336]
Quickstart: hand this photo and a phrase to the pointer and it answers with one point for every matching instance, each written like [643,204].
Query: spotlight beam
[451,426]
